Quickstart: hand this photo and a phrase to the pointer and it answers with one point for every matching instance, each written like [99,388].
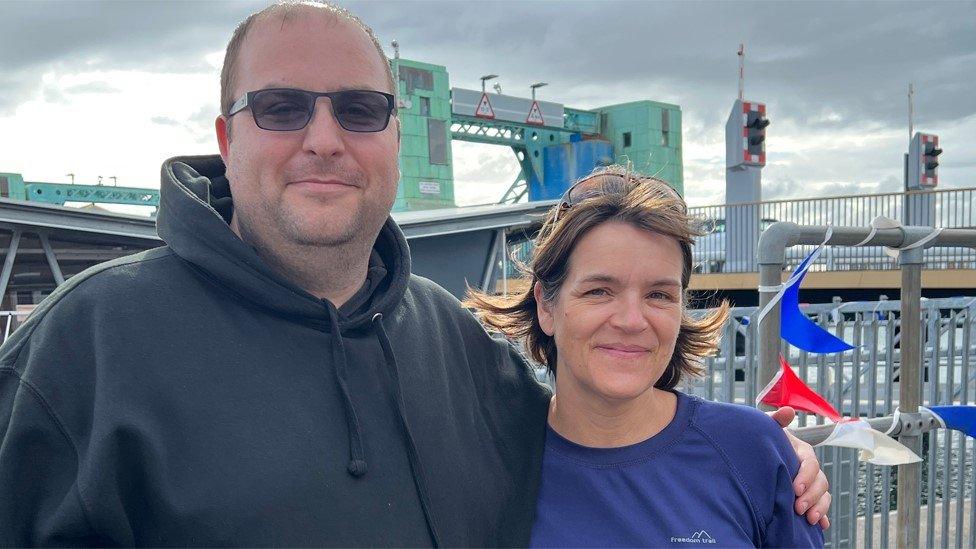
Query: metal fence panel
[863,382]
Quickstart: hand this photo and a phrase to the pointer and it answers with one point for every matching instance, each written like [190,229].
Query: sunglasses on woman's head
[289,109]
[607,183]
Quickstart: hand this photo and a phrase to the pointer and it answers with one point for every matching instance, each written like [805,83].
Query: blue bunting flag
[796,328]
[960,418]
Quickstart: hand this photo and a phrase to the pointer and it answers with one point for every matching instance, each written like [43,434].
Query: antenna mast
[742,63]
[911,111]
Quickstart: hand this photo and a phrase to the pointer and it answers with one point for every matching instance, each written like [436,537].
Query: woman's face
[616,317]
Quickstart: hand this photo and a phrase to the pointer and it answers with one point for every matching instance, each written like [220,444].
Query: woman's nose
[629,316]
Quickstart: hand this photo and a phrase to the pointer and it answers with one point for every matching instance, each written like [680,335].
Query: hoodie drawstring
[419,479]
[357,456]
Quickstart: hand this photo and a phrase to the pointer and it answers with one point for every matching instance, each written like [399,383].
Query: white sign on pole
[535,115]
[484,108]
[429,187]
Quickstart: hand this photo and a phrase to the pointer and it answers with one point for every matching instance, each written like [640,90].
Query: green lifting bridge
[551,149]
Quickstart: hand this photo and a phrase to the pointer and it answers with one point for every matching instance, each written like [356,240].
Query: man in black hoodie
[273,375]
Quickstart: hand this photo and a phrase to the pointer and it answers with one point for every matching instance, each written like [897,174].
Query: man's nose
[323,134]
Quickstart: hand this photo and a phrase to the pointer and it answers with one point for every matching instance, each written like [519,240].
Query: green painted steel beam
[494,132]
[59,193]
[479,130]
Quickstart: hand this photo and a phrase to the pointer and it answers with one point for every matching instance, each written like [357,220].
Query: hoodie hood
[194,214]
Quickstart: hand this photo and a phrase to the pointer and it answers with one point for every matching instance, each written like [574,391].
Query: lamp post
[536,86]
[486,78]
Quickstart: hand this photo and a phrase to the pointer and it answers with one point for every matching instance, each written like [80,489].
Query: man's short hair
[286,9]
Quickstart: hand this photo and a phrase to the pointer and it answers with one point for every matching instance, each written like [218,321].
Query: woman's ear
[542,310]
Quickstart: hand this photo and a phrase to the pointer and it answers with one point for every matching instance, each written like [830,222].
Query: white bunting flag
[875,447]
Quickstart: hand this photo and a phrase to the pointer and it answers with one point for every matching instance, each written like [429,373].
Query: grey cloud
[198,125]
[154,36]
[115,33]
[165,121]
[204,117]
[201,123]
[17,88]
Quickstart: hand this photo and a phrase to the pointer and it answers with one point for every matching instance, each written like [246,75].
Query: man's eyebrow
[282,85]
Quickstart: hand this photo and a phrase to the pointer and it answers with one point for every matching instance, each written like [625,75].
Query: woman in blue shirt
[629,460]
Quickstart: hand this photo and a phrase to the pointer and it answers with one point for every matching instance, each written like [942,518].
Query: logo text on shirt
[700,536]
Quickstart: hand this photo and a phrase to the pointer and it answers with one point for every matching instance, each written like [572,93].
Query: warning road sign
[484,108]
[535,115]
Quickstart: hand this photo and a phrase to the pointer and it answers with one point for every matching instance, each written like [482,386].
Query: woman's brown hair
[609,194]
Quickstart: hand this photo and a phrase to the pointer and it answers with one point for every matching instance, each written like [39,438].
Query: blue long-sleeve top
[718,474]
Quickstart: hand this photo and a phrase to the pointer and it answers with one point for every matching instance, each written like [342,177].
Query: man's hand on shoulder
[810,484]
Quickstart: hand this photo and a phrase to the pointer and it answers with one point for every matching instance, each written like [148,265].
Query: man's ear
[542,310]
[222,127]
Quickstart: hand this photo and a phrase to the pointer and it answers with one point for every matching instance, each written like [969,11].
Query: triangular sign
[535,115]
[484,108]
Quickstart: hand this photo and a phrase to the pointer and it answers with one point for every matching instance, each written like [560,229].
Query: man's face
[321,185]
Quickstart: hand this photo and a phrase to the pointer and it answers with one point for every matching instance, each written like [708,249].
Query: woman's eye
[661,295]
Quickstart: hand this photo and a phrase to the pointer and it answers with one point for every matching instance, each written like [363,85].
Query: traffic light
[923,161]
[745,135]
[756,123]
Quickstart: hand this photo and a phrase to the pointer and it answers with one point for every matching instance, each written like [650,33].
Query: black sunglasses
[288,109]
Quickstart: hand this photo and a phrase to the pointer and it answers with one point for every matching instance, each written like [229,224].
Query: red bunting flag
[787,389]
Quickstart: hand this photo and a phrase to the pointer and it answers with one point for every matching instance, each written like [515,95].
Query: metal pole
[769,276]
[911,112]
[926,421]
[910,394]
[52,260]
[8,262]
[489,275]
[742,62]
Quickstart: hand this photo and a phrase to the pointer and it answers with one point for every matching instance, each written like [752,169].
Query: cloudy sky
[114,88]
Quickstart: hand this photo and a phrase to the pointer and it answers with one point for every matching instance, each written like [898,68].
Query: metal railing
[912,241]
[950,208]
[864,383]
